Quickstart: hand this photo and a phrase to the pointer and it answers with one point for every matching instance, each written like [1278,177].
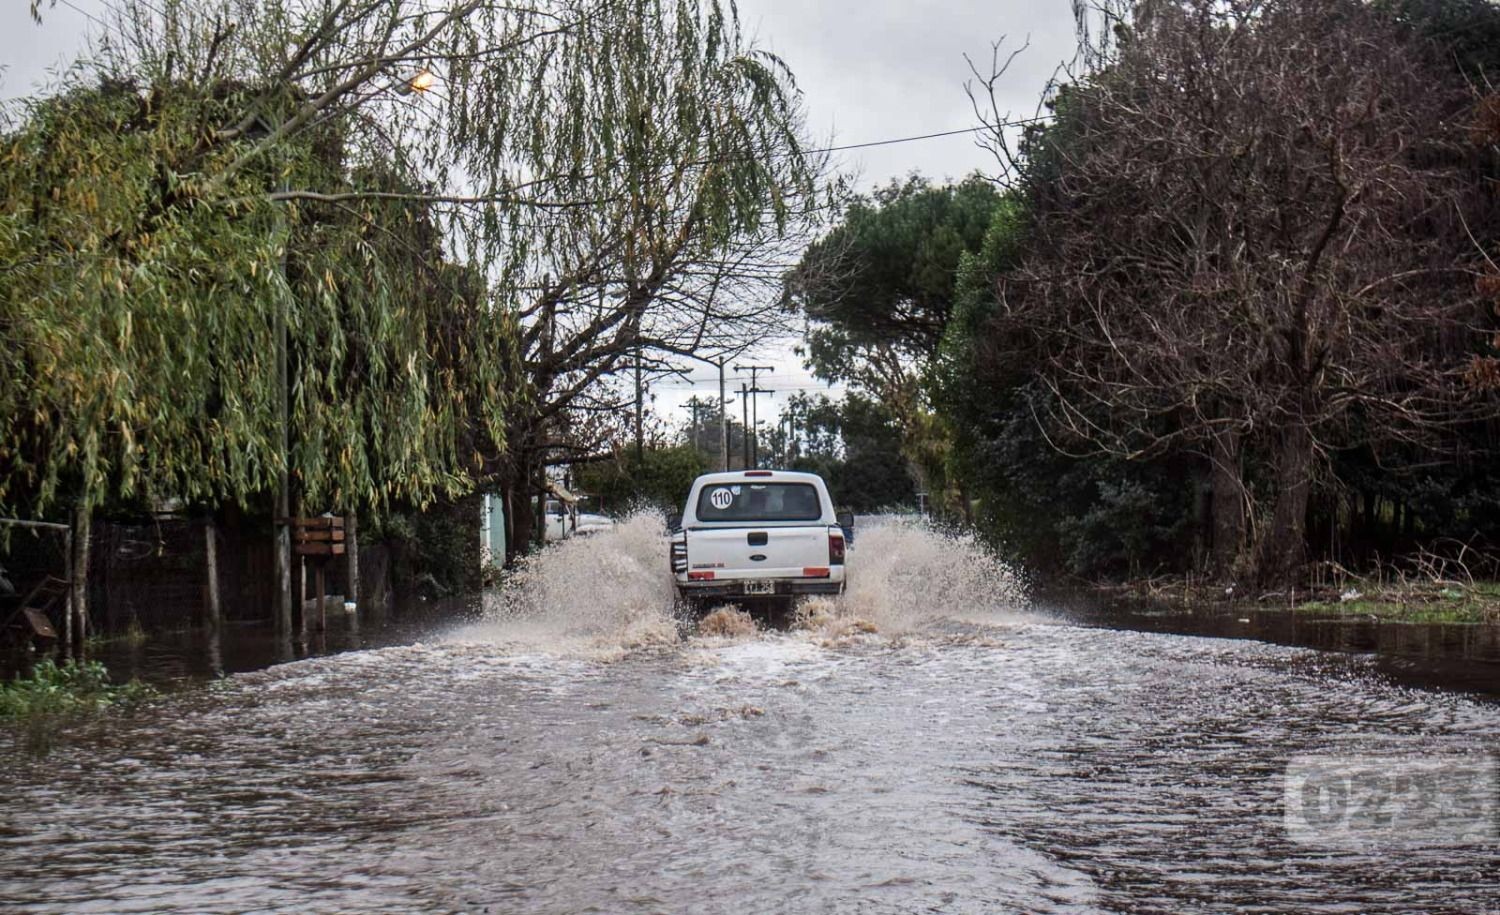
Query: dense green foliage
[1147,364]
[854,443]
[659,479]
[55,694]
[434,551]
[882,281]
[464,214]
[140,322]
[881,289]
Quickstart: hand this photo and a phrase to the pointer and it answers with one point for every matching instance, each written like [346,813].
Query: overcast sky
[870,70]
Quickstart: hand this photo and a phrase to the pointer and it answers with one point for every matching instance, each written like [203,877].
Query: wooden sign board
[320,523]
[319,549]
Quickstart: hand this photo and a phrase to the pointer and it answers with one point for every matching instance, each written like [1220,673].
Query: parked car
[593,523]
[760,537]
[562,518]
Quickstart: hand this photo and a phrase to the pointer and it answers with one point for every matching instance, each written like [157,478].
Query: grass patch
[1448,603]
[54,696]
[1394,610]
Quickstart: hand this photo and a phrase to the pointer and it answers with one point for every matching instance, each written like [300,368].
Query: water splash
[727,622]
[613,592]
[905,575]
[610,590]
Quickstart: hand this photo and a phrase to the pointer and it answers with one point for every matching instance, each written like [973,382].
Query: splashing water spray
[613,590]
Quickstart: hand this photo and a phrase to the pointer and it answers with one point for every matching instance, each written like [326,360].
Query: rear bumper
[785,587]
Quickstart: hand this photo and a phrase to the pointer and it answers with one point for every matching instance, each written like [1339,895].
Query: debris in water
[700,741]
[831,619]
[723,714]
[727,622]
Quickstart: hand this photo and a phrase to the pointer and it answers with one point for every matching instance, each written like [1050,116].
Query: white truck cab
[759,535]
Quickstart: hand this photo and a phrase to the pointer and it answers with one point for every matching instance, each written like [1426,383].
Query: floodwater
[579,751]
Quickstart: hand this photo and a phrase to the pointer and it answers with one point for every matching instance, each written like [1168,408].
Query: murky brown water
[575,752]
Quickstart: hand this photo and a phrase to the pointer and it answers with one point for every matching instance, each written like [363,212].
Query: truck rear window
[759,502]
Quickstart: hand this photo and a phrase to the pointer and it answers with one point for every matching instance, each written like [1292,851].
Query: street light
[424,80]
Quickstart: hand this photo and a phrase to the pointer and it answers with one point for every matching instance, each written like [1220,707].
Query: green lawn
[1477,604]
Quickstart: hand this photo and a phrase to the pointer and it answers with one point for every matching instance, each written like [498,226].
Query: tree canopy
[879,290]
[879,286]
[1246,287]
[466,214]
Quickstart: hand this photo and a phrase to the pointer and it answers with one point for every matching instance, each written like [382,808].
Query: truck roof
[740,476]
[735,479]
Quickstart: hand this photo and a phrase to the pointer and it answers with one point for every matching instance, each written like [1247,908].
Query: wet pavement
[1457,656]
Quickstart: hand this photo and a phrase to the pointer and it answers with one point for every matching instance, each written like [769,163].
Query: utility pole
[754,420]
[723,418]
[281,521]
[640,432]
[693,405]
[745,424]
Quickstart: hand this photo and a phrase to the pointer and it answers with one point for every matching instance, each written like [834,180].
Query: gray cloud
[888,68]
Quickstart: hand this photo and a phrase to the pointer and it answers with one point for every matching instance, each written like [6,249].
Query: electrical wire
[1021,122]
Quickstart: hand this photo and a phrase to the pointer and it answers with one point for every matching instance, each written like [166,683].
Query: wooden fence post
[351,546]
[68,603]
[78,587]
[211,563]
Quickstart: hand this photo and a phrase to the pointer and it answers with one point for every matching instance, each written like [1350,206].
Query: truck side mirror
[674,521]
[846,520]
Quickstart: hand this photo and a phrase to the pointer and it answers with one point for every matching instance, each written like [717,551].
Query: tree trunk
[213,614]
[540,505]
[508,520]
[520,512]
[351,557]
[967,505]
[1284,548]
[1228,504]
[79,587]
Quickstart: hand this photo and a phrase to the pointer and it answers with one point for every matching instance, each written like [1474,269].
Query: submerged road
[965,756]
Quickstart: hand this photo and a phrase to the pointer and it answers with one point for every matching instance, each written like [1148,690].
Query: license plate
[760,587]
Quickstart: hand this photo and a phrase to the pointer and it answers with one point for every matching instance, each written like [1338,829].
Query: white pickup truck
[761,536]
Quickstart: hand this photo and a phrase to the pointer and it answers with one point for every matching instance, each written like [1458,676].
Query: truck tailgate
[757,552]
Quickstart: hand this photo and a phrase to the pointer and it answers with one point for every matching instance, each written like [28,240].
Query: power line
[1022,122]
[998,125]
[790,383]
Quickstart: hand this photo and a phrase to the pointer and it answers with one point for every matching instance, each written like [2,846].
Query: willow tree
[141,362]
[592,162]
[695,202]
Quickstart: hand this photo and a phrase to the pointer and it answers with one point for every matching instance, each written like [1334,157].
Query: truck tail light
[758,473]
[679,556]
[835,547]
[700,576]
[815,572]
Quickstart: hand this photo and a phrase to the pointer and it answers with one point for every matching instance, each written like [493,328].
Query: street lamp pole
[723,418]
